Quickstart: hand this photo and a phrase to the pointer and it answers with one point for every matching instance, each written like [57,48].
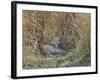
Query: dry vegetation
[40,27]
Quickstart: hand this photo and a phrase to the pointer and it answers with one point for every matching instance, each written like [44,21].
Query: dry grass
[40,27]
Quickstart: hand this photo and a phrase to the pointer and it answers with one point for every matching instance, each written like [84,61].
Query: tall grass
[39,27]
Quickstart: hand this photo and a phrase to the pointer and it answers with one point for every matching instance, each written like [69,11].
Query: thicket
[40,27]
